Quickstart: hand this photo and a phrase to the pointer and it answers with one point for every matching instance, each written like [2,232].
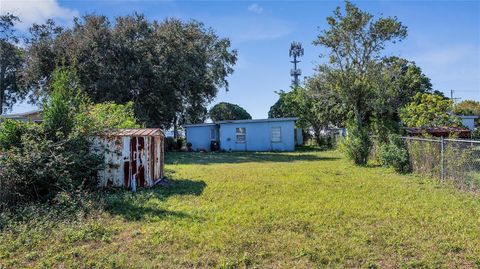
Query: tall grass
[257,210]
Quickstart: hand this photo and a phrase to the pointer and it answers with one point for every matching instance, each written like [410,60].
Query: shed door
[126,162]
[152,159]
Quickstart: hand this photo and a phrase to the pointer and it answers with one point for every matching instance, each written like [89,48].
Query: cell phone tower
[296,51]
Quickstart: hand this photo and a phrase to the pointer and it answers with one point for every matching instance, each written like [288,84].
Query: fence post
[442,156]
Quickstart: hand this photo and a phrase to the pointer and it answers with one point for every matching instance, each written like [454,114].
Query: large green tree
[308,109]
[316,106]
[282,108]
[170,69]
[397,82]
[11,61]
[228,111]
[43,55]
[327,105]
[355,42]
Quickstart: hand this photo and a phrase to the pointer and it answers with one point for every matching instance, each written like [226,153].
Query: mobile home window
[241,135]
[212,134]
[276,134]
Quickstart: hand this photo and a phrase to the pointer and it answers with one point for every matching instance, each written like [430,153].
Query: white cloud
[37,11]
[255,8]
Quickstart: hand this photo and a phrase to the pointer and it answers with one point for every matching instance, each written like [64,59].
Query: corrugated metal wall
[131,160]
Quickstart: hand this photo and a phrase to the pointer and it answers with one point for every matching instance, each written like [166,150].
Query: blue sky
[443,38]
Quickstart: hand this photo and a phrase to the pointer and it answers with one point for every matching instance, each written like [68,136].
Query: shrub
[174,144]
[214,146]
[327,141]
[11,134]
[64,104]
[476,134]
[44,160]
[395,154]
[41,167]
[96,118]
[170,144]
[356,145]
[179,143]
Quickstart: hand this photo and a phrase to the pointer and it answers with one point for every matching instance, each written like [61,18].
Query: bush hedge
[395,154]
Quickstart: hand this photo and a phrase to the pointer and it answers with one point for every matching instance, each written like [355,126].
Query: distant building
[469,121]
[30,116]
[277,134]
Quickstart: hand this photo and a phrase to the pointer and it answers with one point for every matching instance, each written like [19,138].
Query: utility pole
[296,50]
[451,96]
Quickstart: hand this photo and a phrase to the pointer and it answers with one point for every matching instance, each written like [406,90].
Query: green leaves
[369,88]
[170,70]
[354,38]
[99,117]
[11,61]
[467,107]
[395,154]
[11,132]
[227,111]
[63,105]
[282,108]
[429,110]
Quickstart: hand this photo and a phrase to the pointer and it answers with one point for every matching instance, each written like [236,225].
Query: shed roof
[135,132]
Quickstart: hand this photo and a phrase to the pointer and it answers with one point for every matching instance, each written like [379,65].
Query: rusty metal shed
[133,157]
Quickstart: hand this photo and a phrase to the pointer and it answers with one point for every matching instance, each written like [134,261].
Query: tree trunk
[2,93]
[2,88]
[358,118]
[175,128]
[316,131]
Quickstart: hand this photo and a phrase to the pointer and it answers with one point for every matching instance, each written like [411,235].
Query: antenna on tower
[296,51]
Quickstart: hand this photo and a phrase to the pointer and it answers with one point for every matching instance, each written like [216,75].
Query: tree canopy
[170,70]
[315,105]
[429,110]
[228,111]
[283,107]
[372,88]
[11,61]
[398,81]
[467,107]
[355,42]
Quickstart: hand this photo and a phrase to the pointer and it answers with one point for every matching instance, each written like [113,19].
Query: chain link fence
[3,193]
[452,161]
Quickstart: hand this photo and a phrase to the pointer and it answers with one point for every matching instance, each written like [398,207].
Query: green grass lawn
[263,210]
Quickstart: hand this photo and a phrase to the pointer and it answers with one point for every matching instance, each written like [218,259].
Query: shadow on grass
[240,157]
[147,203]
[312,148]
